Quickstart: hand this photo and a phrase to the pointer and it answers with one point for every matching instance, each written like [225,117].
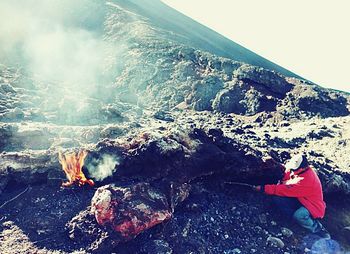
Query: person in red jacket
[299,195]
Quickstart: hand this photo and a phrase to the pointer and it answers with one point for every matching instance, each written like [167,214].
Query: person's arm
[284,190]
[286,177]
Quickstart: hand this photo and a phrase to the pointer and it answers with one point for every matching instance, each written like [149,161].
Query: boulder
[275,241]
[314,100]
[244,99]
[269,82]
[129,210]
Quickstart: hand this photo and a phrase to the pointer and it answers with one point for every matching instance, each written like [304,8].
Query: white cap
[295,162]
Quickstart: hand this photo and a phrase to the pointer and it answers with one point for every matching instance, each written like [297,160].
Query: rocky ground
[214,218]
[166,124]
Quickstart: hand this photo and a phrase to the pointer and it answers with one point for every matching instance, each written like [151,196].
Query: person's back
[313,199]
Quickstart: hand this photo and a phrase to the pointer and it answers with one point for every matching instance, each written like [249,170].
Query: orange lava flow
[72,164]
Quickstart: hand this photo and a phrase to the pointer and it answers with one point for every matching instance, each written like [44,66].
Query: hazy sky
[308,37]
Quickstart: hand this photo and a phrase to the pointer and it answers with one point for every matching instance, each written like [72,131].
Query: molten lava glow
[72,164]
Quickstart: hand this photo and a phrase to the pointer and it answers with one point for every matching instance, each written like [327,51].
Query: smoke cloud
[100,169]
[60,43]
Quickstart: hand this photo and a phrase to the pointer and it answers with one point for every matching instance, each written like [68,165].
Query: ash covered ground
[168,117]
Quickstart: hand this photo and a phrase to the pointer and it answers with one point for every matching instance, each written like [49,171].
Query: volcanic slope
[163,102]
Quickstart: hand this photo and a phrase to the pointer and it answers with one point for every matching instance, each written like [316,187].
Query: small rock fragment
[275,241]
[262,218]
[286,232]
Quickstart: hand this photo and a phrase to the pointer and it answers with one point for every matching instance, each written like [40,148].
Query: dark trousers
[287,205]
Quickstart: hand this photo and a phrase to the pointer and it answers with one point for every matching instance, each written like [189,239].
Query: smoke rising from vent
[100,169]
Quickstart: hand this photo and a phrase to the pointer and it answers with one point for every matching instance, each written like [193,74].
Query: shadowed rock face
[180,156]
[315,101]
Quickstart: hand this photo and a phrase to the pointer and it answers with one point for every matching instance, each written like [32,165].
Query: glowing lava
[72,165]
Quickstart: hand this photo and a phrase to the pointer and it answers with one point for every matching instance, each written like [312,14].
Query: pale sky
[308,37]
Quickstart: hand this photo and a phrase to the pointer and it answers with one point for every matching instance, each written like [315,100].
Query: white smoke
[100,169]
[59,42]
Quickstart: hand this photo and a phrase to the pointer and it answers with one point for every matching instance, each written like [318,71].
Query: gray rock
[313,100]
[264,79]
[204,92]
[27,167]
[164,116]
[241,98]
[112,131]
[286,232]
[6,88]
[275,242]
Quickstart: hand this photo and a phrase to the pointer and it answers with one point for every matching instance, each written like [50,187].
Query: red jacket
[304,185]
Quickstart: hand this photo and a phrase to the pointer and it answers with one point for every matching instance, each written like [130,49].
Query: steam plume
[102,168]
[59,43]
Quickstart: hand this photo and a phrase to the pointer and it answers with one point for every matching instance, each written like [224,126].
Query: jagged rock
[319,134]
[14,114]
[130,210]
[185,157]
[165,116]
[230,101]
[314,100]
[264,79]
[112,131]
[204,92]
[26,167]
[29,137]
[335,183]
[6,88]
[242,98]
[229,66]
[178,194]
[110,112]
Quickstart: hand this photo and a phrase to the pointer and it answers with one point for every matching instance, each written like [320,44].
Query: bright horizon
[310,38]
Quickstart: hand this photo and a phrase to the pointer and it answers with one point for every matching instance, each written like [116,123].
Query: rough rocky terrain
[166,123]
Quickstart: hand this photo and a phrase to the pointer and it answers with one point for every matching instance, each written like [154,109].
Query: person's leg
[286,205]
[304,219]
